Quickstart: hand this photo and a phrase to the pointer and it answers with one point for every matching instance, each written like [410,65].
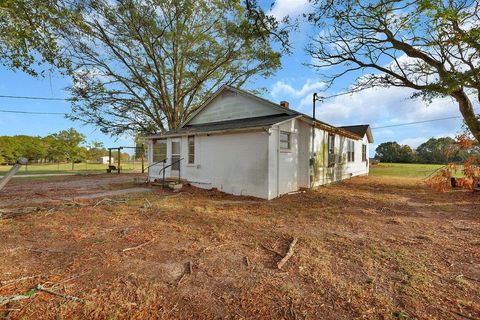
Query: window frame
[156,154]
[288,141]
[351,150]
[364,152]
[191,152]
[331,149]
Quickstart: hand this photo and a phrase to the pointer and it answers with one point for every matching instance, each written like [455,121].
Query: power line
[36,98]
[33,112]
[416,122]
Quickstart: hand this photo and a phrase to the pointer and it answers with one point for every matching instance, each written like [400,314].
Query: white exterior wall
[340,171]
[288,169]
[235,163]
[229,106]
[251,163]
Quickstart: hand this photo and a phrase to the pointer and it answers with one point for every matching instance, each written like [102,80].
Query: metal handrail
[171,164]
[164,160]
[155,163]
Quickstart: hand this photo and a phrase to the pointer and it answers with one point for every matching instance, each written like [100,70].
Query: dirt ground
[51,189]
[368,248]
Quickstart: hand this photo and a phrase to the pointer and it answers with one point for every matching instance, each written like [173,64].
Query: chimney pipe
[284,104]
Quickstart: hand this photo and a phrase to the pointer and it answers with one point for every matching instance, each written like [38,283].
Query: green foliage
[68,142]
[441,150]
[30,32]
[435,150]
[394,152]
[61,146]
[95,150]
[146,66]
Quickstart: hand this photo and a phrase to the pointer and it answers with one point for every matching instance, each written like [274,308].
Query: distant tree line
[434,150]
[63,146]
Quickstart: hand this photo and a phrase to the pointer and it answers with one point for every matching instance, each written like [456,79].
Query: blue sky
[295,83]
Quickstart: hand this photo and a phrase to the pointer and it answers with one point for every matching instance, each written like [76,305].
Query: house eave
[183,134]
[331,129]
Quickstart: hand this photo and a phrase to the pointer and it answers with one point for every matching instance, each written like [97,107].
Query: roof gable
[229,103]
[360,130]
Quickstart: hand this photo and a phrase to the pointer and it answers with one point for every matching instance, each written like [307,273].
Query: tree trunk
[466,108]
[73,163]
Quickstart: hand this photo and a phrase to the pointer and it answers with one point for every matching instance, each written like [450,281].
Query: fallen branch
[247,261]
[16,297]
[65,296]
[147,204]
[289,254]
[7,282]
[271,250]
[139,246]
[189,271]
[51,250]
[109,200]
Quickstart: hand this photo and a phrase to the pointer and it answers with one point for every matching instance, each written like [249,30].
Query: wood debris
[289,254]
[247,261]
[65,296]
[139,246]
[15,297]
[109,202]
[271,250]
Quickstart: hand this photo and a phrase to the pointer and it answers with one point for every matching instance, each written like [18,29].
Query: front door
[175,158]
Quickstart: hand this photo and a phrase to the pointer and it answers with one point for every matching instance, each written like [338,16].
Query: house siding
[235,163]
[321,174]
[229,106]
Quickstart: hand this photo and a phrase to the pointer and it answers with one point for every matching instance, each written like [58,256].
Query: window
[284,140]
[351,151]
[364,152]
[159,150]
[191,149]
[331,149]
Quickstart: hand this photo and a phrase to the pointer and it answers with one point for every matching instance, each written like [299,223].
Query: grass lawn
[67,168]
[407,170]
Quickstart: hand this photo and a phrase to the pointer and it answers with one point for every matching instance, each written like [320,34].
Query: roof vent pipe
[284,104]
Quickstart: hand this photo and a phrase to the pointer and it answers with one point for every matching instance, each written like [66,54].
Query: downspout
[312,157]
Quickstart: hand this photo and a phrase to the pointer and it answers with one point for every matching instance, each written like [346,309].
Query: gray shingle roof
[360,130]
[264,121]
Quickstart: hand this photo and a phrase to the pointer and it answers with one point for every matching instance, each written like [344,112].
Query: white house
[245,145]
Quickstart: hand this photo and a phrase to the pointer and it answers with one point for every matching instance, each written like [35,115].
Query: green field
[63,168]
[408,170]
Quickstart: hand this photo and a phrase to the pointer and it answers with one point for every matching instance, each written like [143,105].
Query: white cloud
[413,142]
[281,89]
[292,8]
[383,106]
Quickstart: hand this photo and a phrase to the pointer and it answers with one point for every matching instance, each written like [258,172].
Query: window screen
[191,149]
[285,140]
[364,152]
[159,150]
[331,149]
[351,151]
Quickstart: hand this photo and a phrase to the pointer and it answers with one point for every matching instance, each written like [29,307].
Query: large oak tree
[146,65]
[431,46]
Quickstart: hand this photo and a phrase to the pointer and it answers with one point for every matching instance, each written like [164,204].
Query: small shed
[103,160]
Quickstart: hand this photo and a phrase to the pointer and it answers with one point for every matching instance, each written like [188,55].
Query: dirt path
[26,192]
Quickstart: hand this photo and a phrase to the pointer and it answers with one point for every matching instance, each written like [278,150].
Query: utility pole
[143,155]
[13,170]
